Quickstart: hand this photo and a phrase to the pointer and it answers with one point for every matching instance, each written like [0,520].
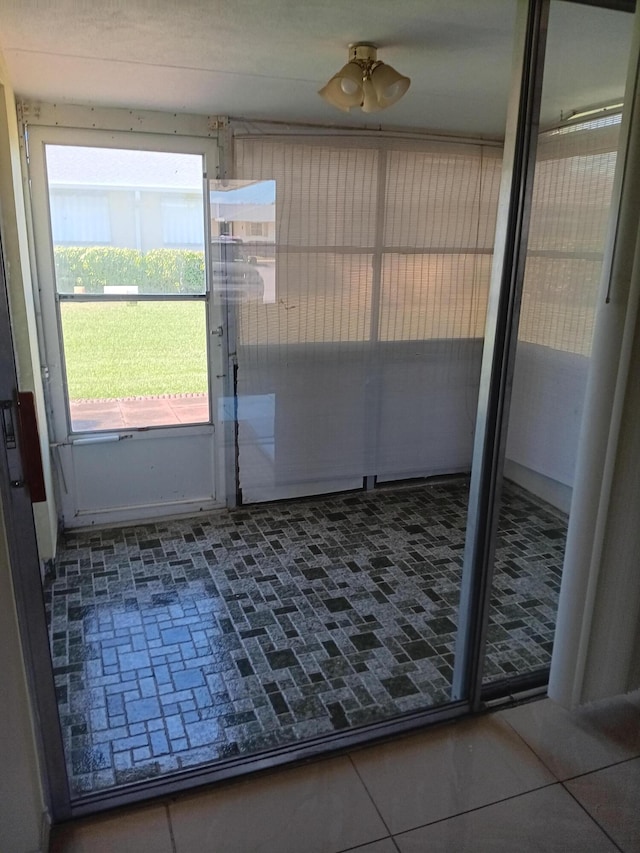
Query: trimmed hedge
[157,271]
[175,270]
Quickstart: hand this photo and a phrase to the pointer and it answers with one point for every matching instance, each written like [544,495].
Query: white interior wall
[418,422]
[428,399]
[411,414]
[613,653]
[544,421]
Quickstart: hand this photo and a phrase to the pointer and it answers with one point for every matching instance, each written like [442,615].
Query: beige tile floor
[530,778]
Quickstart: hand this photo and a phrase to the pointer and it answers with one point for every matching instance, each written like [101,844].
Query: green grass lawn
[134,349]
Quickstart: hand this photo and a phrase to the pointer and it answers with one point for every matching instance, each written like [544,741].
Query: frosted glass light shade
[388,84]
[344,90]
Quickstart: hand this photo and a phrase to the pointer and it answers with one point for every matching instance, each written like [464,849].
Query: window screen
[569,218]
[570,211]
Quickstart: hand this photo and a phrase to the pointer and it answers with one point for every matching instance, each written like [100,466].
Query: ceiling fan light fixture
[365,82]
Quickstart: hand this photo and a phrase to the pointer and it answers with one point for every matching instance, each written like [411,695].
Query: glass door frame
[499,356]
[19,526]
[501,336]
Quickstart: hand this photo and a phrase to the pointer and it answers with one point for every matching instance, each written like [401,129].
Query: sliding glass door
[365,312]
[563,283]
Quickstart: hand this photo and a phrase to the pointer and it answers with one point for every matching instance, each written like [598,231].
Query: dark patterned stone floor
[184,642]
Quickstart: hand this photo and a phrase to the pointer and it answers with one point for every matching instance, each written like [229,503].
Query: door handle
[8,425]
[30,447]
[27,465]
[9,437]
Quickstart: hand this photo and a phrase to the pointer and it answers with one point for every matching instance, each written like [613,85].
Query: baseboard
[552,491]
[45,832]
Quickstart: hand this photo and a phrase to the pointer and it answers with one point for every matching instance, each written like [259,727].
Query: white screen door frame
[124,474]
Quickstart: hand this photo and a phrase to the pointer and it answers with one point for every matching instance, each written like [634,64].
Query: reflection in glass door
[572,197]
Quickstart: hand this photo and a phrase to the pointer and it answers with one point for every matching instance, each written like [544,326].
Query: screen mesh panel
[382,262]
[569,219]
[571,205]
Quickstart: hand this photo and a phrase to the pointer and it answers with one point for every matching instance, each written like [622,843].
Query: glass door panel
[356,386]
[569,218]
[135,364]
[351,319]
[128,225]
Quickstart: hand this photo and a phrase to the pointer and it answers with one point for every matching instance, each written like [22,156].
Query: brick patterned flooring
[184,642]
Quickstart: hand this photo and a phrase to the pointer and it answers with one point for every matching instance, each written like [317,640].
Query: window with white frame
[257,229]
[182,221]
[79,218]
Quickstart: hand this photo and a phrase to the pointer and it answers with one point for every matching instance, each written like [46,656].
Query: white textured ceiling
[266,59]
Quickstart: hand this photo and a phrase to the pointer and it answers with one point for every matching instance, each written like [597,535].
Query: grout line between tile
[367,843]
[449,817]
[598,769]
[174,847]
[577,775]
[465,811]
[532,750]
[591,817]
[477,808]
[375,805]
